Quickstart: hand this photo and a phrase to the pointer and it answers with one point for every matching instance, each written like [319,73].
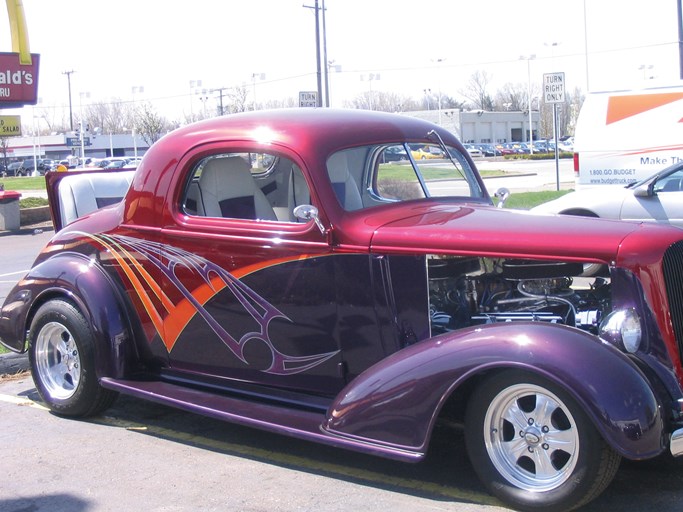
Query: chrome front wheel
[533,446]
[531,437]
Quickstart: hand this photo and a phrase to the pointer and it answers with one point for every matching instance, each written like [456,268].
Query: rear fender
[396,402]
[84,282]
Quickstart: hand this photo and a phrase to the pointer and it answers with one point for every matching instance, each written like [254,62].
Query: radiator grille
[673,276]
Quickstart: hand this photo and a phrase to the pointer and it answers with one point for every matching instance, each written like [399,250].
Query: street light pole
[528,59]
[82,95]
[193,84]
[71,114]
[254,76]
[438,63]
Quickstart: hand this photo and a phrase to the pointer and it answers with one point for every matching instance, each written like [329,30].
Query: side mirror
[502,194]
[644,190]
[307,212]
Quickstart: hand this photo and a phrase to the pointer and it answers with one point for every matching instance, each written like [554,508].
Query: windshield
[368,176]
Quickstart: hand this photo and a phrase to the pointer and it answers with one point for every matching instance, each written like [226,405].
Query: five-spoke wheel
[62,356]
[533,446]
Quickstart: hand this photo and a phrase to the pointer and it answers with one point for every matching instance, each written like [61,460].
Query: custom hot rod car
[273,269]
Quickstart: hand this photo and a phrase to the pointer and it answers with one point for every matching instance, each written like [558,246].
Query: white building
[59,147]
[482,126]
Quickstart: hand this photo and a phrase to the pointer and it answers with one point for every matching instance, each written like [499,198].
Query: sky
[155,50]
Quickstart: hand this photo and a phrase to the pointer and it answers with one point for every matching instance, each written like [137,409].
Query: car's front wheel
[61,353]
[533,446]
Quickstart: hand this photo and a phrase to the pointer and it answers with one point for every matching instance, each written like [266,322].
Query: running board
[288,421]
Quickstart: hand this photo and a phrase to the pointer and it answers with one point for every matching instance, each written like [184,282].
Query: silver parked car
[658,198]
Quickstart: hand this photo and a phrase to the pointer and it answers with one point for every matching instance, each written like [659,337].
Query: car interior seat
[673,185]
[227,189]
[343,183]
[80,194]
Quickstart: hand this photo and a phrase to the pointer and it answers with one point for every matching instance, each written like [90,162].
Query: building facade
[479,126]
[62,146]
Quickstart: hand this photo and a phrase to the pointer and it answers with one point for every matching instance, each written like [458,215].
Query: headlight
[623,329]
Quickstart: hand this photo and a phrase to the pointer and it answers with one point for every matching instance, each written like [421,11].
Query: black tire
[62,358]
[523,462]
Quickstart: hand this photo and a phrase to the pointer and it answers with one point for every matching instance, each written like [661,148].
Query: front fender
[396,401]
[83,281]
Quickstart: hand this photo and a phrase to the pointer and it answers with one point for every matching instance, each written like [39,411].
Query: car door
[252,288]
[665,205]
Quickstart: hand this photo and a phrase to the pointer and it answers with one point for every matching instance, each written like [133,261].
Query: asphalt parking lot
[143,456]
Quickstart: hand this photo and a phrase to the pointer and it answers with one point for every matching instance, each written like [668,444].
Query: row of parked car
[517,148]
[123,162]
[26,167]
[485,149]
[42,165]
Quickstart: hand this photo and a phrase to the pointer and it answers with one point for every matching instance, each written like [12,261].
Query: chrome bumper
[676,444]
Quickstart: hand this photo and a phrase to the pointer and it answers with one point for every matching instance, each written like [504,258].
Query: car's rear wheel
[533,446]
[61,353]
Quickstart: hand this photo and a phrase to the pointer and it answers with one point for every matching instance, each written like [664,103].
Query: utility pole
[317,54]
[318,63]
[327,68]
[71,114]
[220,93]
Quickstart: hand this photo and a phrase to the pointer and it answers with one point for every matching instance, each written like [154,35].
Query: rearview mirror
[502,194]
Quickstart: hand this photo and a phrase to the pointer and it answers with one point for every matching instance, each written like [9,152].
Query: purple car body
[273,269]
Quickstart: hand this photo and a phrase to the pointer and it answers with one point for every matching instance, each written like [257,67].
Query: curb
[12,363]
[28,230]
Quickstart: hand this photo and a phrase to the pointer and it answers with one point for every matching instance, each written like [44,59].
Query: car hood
[494,232]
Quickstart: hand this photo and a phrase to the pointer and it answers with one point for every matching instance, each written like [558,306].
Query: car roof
[322,130]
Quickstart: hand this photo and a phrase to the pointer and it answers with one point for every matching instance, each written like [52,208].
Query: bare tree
[567,113]
[237,99]
[116,116]
[450,102]
[476,91]
[512,97]
[382,101]
[150,125]
[56,121]
[284,103]
[4,145]
[575,101]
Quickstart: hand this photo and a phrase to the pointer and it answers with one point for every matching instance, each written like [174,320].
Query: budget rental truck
[625,136]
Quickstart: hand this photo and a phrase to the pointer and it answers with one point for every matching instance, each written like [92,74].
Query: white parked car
[658,198]
[473,150]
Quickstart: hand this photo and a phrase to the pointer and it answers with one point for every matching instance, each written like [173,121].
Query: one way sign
[553,87]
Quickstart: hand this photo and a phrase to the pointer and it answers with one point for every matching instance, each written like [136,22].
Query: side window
[395,178]
[672,183]
[251,186]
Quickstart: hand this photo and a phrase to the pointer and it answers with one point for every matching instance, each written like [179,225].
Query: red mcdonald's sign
[18,82]
[18,70]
